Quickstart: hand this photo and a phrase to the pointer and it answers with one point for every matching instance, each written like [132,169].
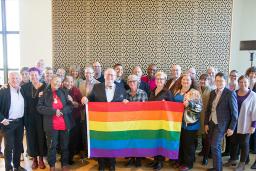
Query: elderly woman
[191,98]
[204,90]
[36,140]
[158,94]
[246,100]
[74,71]
[47,76]
[134,94]
[75,137]
[56,109]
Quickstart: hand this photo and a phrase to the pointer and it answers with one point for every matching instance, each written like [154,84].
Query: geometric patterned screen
[191,33]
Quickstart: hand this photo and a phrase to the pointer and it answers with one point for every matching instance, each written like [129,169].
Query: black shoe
[151,164]
[130,162]
[70,162]
[158,166]
[253,165]
[247,160]
[112,168]
[205,161]
[137,162]
[101,168]
[211,169]
[225,154]
[19,169]
[201,153]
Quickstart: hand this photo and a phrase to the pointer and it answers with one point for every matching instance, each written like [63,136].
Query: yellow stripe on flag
[135,125]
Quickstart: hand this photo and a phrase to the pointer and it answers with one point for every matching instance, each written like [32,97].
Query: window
[9,38]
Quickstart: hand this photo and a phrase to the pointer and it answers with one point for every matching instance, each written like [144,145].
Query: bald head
[14,79]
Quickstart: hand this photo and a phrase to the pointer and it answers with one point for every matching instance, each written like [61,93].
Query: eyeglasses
[233,75]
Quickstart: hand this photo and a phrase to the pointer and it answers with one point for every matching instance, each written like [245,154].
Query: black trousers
[75,139]
[106,162]
[55,137]
[13,136]
[239,141]
[187,147]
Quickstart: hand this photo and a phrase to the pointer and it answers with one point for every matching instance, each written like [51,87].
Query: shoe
[201,153]
[35,163]
[158,166]
[137,162]
[253,165]
[52,168]
[151,164]
[112,168]
[211,169]
[101,168]
[19,169]
[130,161]
[184,168]
[41,163]
[65,168]
[71,162]
[225,154]
[1,155]
[240,167]
[205,160]
[247,160]
[230,163]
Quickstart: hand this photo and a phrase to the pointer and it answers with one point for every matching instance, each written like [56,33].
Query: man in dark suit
[106,92]
[220,117]
[12,109]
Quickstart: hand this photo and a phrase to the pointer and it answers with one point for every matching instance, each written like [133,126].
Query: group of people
[50,105]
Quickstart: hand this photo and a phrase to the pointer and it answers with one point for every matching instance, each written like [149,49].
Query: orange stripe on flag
[135,115]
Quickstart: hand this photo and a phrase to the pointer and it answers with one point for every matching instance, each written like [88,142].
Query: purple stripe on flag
[139,152]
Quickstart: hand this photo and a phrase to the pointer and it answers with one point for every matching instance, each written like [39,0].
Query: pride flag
[135,129]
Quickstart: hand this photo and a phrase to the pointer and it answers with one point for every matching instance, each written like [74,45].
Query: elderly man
[98,72]
[106,92]
[142,85]
[12,109]
[175,75]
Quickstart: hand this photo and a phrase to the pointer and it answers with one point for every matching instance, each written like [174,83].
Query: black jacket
[44,107]
[5,102]
[98,94]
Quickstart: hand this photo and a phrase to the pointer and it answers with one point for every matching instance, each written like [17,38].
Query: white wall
[35,31]
[243,28]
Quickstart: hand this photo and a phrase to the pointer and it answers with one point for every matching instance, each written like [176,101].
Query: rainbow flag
[135,129]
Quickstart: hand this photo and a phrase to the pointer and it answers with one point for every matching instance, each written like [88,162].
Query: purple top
[240,100]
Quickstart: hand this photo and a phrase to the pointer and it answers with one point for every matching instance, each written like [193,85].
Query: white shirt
[17,104]
[110,92]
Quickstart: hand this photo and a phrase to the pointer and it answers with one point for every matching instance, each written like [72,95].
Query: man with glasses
[175,75]
[106,92]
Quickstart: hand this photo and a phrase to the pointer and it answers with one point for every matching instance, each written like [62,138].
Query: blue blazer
[227,110]
[98,94]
